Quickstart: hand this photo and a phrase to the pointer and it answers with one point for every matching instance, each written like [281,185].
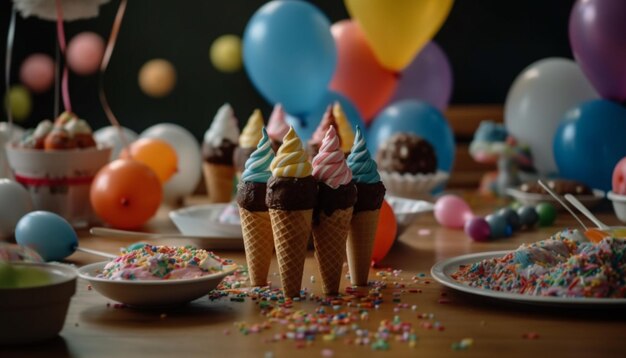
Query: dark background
[488,42]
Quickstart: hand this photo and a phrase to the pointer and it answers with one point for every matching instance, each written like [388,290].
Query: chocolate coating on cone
[329,199]
[251,196]
[219,155]
[291,193]
[369,196]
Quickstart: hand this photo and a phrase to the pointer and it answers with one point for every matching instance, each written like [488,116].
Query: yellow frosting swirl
[345,128]
[251,134]
[291,160]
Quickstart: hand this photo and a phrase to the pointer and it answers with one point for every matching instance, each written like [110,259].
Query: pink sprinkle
[444,301]
[227,332]
[530,335]
[327,353]
[423,232]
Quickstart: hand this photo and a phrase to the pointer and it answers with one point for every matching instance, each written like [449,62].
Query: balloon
[428,78]
[596,34]
[125,193]
[397,30]
[289,54]
[15,203]
[185,181]
[37,72]
[305,127]
[546,213]
[109,136]
[478,229]
[590,141]
[48,234]
[157,154]
[451,211]
[157,78]
[536,102]
[512,218]
[19,99]
[618,180]
[225,53]
[415,117]
[528,216]
[499,226]
[385,232]
[84,53]
[359,76]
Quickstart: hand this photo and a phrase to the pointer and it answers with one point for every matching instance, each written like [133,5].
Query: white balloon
[185,181]
[15,202]
[538,100]
[110,136]
[15,134]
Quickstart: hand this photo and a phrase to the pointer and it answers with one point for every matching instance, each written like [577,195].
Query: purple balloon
[428,78]
[597,34]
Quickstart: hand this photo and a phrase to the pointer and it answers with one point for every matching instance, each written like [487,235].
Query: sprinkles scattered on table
[152,262]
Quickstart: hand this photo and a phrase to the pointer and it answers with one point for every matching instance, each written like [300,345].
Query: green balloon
[547,214]
[20,100]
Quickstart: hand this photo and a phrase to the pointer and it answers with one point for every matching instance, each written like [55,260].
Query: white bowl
[35,313]
[412,186]
[535,198]
[152,292]
[407,210]
[619,205]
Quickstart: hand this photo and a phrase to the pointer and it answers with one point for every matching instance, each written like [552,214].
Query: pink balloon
[37,72]
[84,53]
[452,211]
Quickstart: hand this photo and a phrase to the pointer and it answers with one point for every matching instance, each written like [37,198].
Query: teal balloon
[289,54]
[419,118]
[50,235]
[590,141]
[306,125]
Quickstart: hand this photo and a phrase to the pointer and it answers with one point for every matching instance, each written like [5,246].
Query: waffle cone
[259,244]
[360,245]
[329,238]
[219,181]
[291,231]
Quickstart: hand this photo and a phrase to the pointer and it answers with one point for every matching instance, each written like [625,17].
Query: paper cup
[59,180]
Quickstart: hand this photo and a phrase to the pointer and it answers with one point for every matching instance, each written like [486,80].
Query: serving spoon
[583,209]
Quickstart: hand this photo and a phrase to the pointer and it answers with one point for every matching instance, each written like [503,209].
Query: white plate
[407,210]
[536,198]
[203,221]
[153,292]
[443,269]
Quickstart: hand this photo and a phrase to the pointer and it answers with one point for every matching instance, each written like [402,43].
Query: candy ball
[20,101]
[512,218]
[478,229]
[528,216]
[84,53]
[452,211]
[157,78]
[546,213]
[15,202]
[498,225]
[225,53]
[50,235]
[37,72]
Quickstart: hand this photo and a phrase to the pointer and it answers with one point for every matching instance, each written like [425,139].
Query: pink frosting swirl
[329,165]
[327,121]
[277,128]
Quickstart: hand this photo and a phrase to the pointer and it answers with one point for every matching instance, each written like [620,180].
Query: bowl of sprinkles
[158,275]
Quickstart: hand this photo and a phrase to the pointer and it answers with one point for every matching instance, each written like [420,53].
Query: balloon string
[57,76]
[7,78]
[117,23]
[61,38]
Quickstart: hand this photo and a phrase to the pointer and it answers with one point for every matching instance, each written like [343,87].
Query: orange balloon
[358,74]
[126,193]
[386,232]
[157,154]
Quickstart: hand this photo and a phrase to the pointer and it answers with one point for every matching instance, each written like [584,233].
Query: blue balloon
[289,54]
[590,141]
[306,125]
[419,118]
[47,233]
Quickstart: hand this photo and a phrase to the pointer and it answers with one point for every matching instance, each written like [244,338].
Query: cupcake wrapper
[414,186]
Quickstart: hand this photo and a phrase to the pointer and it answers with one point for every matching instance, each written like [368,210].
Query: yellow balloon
[225,53]
[20,101]
[157,78]
[398,29]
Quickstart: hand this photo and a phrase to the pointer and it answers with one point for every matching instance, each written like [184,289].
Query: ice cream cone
[329,238]
[291,231]
[360,245]
[219,181]
[259,244]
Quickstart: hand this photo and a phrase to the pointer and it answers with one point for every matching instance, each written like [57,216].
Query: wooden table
[94,328]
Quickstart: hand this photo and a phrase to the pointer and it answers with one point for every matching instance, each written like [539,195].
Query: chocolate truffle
[407,153]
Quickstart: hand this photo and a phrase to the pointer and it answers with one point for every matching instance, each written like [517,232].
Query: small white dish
[619,205]
[535,198]
[204,221]
[410,186]
[407,210]
[152,293]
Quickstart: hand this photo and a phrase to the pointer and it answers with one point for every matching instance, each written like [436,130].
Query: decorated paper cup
[59,180]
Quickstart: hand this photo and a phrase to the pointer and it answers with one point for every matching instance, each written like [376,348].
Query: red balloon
[37,72]
[84,53]
[386,232]
[358,74]
[126,193]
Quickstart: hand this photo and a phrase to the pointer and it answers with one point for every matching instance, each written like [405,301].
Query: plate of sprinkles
[158,275]
[565,269]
